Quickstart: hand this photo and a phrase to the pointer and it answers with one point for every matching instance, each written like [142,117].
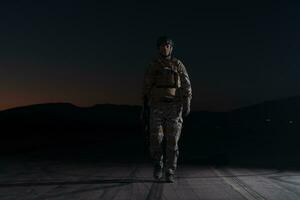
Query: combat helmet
[164,40]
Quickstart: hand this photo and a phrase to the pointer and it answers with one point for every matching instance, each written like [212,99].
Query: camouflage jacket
[180,91]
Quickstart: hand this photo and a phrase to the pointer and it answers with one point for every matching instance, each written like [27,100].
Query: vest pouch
[166,78]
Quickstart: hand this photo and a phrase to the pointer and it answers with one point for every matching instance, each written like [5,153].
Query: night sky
[236,53]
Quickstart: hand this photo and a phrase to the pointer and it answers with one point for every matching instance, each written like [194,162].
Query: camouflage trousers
[165,122]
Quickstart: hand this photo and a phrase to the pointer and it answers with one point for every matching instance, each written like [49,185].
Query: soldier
[167,89]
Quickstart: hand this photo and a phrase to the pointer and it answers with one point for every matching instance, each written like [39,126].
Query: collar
[169,57]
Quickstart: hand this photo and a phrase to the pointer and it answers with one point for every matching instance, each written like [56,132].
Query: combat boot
[157,172]
[170,178]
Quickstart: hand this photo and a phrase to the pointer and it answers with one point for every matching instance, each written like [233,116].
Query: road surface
[49,179]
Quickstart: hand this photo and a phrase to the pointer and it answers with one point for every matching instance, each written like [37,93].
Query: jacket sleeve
[186,87]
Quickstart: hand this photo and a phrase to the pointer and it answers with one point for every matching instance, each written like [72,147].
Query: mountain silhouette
[66,124]
[269,129]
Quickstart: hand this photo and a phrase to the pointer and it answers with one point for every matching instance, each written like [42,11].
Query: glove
[186,107]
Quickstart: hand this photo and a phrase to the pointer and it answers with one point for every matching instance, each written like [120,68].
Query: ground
[24,178]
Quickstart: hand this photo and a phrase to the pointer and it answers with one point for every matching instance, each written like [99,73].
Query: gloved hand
[186,105]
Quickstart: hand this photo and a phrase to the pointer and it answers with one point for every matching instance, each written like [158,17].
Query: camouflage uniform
[166,101]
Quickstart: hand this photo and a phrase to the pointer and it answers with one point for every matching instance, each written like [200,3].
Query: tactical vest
[166,81]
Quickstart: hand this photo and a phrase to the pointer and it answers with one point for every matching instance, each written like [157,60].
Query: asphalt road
[46,179]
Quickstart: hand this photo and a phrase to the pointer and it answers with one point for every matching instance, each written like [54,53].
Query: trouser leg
[156,138]
[172,133]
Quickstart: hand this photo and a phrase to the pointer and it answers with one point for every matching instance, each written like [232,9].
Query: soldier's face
[166,49]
